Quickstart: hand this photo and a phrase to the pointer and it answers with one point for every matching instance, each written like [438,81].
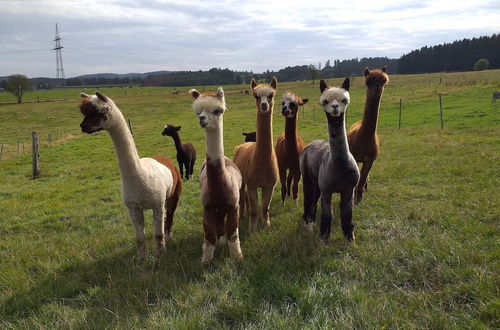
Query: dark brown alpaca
[186,154]
[362,136]
[250,136]
[288,147]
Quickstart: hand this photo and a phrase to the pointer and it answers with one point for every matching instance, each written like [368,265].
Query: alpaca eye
[283,103]
[325,102]
[344,101]
[292,105]
[217,112]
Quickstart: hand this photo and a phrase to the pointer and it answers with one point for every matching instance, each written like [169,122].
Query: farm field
[427,252]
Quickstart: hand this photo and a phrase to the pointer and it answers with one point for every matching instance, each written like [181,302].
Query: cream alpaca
[147,183]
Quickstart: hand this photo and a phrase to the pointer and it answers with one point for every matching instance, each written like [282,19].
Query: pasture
[427,252]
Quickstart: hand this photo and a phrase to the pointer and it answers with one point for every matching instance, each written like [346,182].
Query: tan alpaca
[220,179]
[257,160]
[362,136]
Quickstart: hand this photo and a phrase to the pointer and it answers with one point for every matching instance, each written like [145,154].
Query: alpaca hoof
[168,236]
[206,260]
[267,223]
[309,227]
[351,238]
[161,251]
[324,240]
[296,201]
[237,256]
[208,252]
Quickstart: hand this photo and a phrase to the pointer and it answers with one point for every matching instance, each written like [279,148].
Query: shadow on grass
[278,264]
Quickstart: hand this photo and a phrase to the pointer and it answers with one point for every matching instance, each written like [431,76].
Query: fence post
[18,146]
[1,152]
[441,110]
[400,106]
[35,156]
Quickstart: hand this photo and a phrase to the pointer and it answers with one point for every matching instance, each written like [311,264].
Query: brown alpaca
[220,179]
[289,146]
[362,136]
[257,160]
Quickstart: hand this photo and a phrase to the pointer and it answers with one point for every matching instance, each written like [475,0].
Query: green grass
[427,253]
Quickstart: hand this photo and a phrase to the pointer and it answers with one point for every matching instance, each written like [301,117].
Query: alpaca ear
[245,134]
[220,93]
[274,83]
[346,84]
[178,128]
[367,72]
[322,86]
[194,93]
[303,101]
[384,69]
[85,96]
[253,83]
[102,97]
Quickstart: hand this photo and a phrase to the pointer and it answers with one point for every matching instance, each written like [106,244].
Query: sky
[124,36]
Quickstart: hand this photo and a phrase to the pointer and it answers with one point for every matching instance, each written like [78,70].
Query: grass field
[427,253]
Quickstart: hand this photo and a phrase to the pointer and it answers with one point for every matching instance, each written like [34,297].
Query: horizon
[110,37]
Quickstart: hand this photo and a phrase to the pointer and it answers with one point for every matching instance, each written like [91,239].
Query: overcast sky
[123,36]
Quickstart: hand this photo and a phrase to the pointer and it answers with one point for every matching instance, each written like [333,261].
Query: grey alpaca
[328,167]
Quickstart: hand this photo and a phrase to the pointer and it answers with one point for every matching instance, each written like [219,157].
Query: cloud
[138,36]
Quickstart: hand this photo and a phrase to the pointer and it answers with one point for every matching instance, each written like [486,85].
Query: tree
[314,72]
[17,84]
[481,64]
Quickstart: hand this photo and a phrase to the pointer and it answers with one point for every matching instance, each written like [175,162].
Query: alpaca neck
[177,142]
[291,133]
[264,137]
[126,152]
[337,136]
[370,116]
[214,144]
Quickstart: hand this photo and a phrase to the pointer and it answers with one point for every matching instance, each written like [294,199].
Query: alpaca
[257,160]
[146,183]
[250,136]
[362,136]
[289,146]
[496,95]
[328,167]
[186,153]
[220,179]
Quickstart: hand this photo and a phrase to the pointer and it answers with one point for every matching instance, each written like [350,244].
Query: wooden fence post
[1,152]
[441,110]
[400,106]
[35,156]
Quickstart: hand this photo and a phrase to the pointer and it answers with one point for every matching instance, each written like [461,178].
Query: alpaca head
[290,104]
[170,130]
[264,95]
[334,100]
[98,111]
[209,108]
[376,79]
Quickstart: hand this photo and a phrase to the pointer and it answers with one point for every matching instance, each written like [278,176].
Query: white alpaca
[147,183]
[220,179]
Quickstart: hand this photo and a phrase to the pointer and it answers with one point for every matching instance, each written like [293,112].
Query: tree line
[463,55]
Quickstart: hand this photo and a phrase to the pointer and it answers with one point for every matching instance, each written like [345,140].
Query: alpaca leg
[346,199]
[363,176]
[221,230]
[187,170]
[181,168]
[158,229]
[267,195]
[309,202]
[289,182]
[169,218]
[283,184]
[137,218]
[210,229]
[253,209]
[191,169]
[295,186]
[326,216]
[233,233]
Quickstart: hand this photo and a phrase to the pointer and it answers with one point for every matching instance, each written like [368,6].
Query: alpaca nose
[203,121]
[285,111]
[264,106]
